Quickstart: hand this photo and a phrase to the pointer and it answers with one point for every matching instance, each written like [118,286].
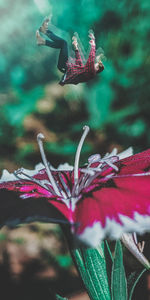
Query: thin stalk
[40,137]
[77,156]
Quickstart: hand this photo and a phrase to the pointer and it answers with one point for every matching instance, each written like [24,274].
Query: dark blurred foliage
[115,105]
[35,263]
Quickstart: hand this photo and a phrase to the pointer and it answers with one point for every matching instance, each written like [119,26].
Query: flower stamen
[68,193]
[77,157]
[40,137]
[29,178]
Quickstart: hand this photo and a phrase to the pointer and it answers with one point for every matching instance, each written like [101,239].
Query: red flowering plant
[107,198]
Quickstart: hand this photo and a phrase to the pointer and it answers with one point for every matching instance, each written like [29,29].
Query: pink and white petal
[126,153]
[26,187]
[120,205]
[30,190]
[6,176]
[16,211]
[63,209]
[138,163]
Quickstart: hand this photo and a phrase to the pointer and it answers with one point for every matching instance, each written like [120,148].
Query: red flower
[106,198]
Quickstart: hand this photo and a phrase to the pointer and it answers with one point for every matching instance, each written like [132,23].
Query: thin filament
[33,180]
[77,156]
[40,137]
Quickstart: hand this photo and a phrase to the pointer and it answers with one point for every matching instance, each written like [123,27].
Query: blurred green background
[115,105]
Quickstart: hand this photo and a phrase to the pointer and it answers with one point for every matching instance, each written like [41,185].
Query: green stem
[91,266]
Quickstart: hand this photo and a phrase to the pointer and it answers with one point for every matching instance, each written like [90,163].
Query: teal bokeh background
[115,105]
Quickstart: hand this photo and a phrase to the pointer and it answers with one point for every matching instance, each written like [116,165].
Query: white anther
[94,158]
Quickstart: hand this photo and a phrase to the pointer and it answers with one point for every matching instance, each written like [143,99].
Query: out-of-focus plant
[116,106]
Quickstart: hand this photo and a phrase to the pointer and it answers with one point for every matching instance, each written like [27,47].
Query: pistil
[40,137]
[77,157]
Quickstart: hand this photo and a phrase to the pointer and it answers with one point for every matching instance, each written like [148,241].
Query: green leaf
[109,261]
[119,283]
[132,281]
[92,268]
[60,298]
